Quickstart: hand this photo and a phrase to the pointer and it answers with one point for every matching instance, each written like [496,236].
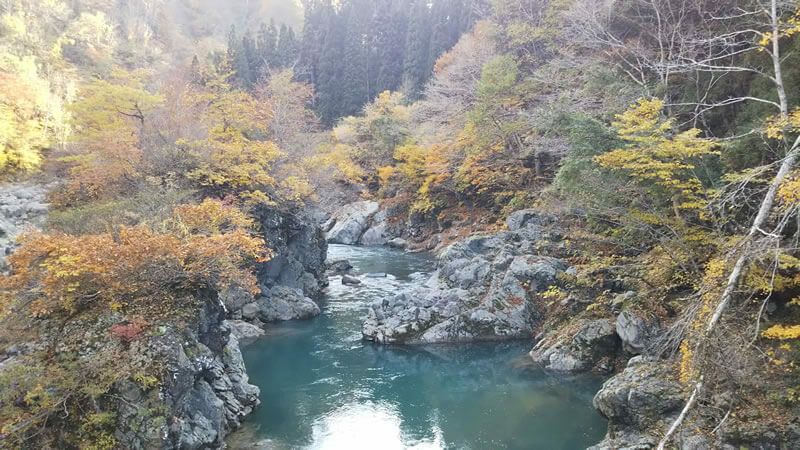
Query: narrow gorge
[400,224]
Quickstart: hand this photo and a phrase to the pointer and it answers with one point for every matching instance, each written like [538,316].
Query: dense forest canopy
[664,132]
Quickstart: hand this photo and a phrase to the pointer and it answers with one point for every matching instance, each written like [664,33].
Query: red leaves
[129,331]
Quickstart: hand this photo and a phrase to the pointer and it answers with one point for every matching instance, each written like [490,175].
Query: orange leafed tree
[109,120]
[209,245]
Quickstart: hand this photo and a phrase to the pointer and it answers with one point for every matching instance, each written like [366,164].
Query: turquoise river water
[322,387]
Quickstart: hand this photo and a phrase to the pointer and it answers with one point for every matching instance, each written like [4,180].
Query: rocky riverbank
[22,206]
[212,393]
[205,390]
[484,288]
[516,284]
[193,389]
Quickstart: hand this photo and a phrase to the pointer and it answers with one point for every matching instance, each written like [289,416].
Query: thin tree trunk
[758,223]
[776,60]
[682,415]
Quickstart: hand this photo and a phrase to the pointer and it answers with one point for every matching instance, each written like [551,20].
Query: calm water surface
[323,388]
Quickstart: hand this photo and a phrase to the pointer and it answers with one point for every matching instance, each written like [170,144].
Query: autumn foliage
[58,275]
[136,276]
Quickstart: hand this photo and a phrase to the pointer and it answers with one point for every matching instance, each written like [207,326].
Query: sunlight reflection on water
[357,426]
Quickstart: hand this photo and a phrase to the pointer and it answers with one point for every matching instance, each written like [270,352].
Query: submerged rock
[339,266]
[399,243]
[350,280]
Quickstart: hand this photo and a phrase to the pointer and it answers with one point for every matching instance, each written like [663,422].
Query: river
[322,387]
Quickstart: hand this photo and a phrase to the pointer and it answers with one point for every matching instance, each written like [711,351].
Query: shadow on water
[322,387]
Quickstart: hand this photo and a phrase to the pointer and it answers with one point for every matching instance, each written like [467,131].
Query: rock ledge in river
[484,289]
[285,303]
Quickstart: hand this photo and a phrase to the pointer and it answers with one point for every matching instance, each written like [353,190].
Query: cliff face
[184,384]
[292,278]
[204,391]
[299,248]
[206,386]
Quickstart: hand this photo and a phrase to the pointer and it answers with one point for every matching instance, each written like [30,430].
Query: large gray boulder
[635,332]
[594,341]
[485,288]
[378,232]
[351,221]
[643,393]
[640,403]
[285,303]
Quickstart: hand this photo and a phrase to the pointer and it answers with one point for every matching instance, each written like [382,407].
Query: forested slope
[664,136]
[660,135]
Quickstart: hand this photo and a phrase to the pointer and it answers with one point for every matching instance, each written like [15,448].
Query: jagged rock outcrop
[292,278]
[299,252]
[483,289]
[350,223]
[204,395]
[643,401]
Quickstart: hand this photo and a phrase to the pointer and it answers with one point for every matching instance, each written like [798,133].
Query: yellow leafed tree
[235,156]
[663,162]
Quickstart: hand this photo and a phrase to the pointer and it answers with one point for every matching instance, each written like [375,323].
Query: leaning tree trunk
[761,218]
[738,270]
[758,223]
